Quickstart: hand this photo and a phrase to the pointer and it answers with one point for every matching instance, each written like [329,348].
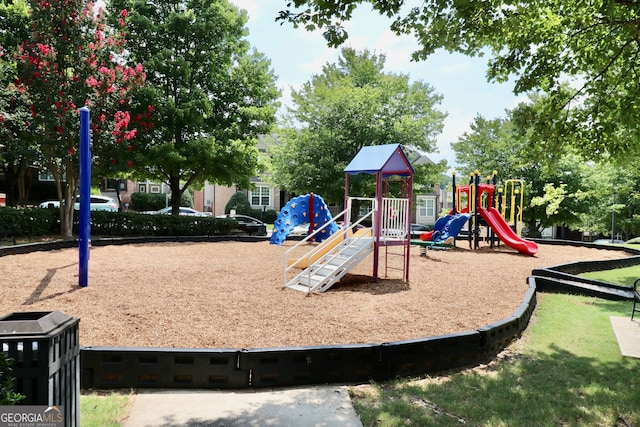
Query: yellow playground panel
[511,205]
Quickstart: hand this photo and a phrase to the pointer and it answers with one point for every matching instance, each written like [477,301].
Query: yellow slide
[325,247]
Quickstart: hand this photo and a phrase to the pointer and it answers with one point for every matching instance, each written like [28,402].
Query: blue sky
[296,55]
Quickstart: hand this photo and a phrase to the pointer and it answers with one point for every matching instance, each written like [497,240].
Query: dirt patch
[230,294]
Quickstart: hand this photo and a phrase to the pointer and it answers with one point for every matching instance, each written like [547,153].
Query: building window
[427,208]
[142,188]
[46,176]
[261,196]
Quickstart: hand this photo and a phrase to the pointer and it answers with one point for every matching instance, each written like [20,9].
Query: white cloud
[519,99]
[251,6]
[455,125]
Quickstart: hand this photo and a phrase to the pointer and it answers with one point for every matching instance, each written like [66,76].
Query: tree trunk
[120,208]
[23,185]
[66,195]
[10,180]
[176,194]
[69,198]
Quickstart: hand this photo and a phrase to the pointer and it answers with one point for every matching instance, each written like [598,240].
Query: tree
[351,104]
[610,193]
[212,96]
[541,45]
[240,203]
[72,59]
[553,184]
[17,151]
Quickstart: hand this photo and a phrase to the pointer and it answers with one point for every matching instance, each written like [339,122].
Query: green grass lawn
[104,410]
[619,276]
[566,370]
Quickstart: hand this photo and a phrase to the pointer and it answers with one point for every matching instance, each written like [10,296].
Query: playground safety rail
[395,222]
[290,262]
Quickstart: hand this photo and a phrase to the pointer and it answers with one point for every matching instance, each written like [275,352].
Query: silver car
[98,203]
[183,211]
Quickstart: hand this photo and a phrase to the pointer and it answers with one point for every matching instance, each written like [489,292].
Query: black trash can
[45,349]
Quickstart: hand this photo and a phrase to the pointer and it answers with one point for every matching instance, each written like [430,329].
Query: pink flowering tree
[73,59]
[17,149]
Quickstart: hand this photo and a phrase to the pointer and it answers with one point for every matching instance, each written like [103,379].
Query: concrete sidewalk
[308,406]
[627,333]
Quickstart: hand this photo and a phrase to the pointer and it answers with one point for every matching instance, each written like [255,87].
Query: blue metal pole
[84,219]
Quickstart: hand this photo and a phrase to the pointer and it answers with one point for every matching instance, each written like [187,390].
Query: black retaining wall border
[120,367]
[564,278]
[113,367]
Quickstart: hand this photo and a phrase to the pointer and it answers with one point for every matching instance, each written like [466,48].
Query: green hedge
[127,224]
[36,222]
[29,222]
[239,203]
[268,216]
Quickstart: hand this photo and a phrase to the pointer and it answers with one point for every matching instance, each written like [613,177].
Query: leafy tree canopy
[211,95]
[501,145]
[351,104]
[538,44]
[67,59]
[17,150]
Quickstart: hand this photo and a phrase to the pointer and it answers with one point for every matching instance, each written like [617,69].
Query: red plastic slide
[506,234]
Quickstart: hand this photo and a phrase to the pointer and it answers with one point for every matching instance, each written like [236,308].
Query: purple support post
[84,218]
[311,214]
[455,205]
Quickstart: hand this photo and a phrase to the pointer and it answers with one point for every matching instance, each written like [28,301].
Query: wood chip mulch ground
[230,294]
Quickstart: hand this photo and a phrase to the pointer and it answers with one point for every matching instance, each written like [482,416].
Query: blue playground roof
[388,159]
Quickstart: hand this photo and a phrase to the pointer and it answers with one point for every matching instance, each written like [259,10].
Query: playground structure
[481,200]
[444,232]
[480,205]
[309,208]
[369,225]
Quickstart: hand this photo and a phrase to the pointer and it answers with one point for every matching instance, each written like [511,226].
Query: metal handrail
[331,256]
[342,229]
[307,239]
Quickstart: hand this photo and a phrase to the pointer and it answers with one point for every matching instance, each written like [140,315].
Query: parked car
[248,224]
[608,241]
[97,203]
[183,211]
[300,230]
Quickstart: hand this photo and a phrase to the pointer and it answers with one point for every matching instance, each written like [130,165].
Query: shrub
[240,203]
[147,201]
[187,199]
[155,201]
[268,216]
[29,222]
[7,396]
[38,222]
[128,224]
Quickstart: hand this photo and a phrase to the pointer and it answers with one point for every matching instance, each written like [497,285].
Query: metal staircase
[329,268]
[326,263]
